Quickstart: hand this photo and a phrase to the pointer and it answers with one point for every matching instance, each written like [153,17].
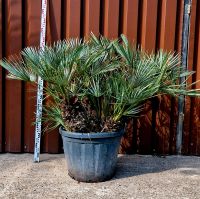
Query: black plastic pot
[91,157]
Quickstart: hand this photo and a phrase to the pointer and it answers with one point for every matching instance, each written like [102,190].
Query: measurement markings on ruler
[40,87]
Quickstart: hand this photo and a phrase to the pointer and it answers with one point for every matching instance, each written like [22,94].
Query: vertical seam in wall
[154,101]
[3,73]
[63,18]
[158,28]
[101,17]
[139,25]
[23,83]
[120,21]
[173,101]
[82,19]
[196,40]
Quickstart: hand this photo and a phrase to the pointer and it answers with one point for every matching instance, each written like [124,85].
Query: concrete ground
[137,177]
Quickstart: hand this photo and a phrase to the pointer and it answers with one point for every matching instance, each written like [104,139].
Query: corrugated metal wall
[153,24]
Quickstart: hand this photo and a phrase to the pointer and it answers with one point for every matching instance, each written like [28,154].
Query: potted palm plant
[92,88]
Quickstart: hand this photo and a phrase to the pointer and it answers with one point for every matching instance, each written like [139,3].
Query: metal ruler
[40,86]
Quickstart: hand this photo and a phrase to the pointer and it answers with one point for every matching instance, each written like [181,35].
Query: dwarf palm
[92,86]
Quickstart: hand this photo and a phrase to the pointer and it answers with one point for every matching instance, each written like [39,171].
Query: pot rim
[97,135]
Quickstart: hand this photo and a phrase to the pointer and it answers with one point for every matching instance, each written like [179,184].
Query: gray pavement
[136,177]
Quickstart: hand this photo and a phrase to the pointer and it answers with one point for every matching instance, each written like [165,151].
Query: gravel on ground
[137,176]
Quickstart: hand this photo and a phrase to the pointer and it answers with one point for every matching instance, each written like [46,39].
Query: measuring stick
[40,86]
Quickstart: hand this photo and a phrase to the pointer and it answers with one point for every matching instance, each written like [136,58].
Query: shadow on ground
[47,158]
[130,165]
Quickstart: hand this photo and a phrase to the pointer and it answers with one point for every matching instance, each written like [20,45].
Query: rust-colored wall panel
[144,130]
[179,25]
[91,17]
[152,23]
[51,139]
[130,19]
[1,28]
[188,100]
[1,130]
[72,15]
[197,124]
[168,25]
[194,142]
[166,112]
[32,36]
[32,22]
[174,102]
[13,88]
[128,26]
[148,24]
[111,18]
[53,21]
[147,40]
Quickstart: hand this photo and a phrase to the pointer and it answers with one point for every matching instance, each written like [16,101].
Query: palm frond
[93,85]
